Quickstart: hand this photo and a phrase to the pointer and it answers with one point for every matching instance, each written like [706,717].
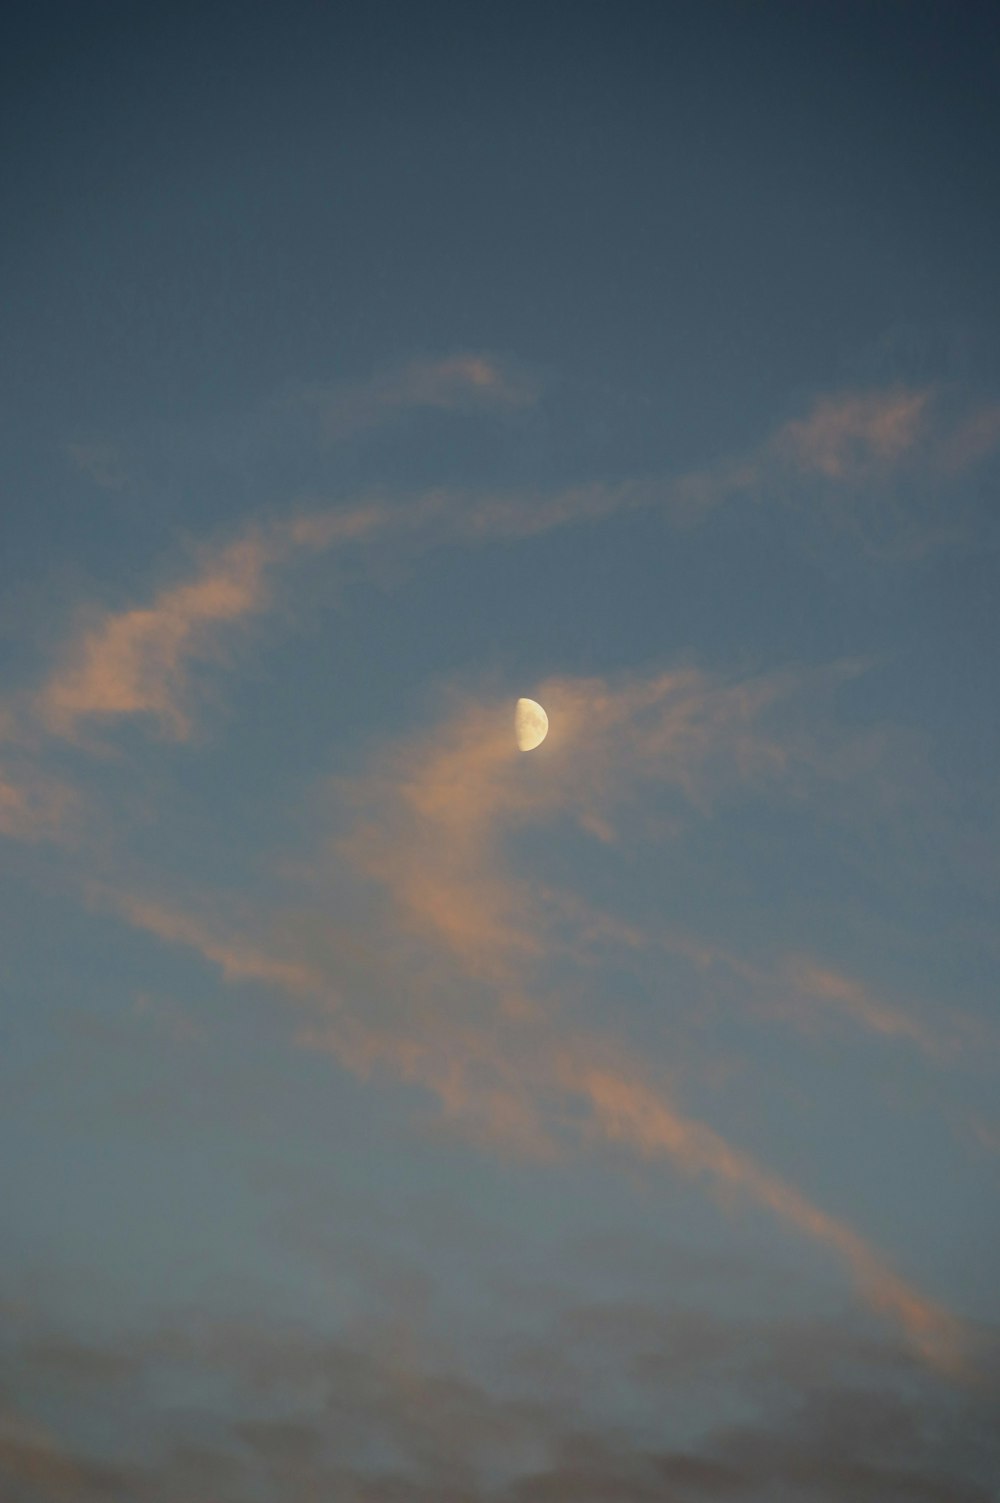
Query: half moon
[531,724]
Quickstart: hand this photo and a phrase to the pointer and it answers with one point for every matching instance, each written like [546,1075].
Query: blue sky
[389,1114]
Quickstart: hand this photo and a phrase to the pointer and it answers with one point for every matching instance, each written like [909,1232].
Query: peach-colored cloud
[798,989]
[436,852]
[627,1111]
[444,801]
[846,456]
[857,1002]
[135,662]
[35,807]
[239,959]
[456,1000]
[138,661]
[522,1084]
[852,435]
[453,382]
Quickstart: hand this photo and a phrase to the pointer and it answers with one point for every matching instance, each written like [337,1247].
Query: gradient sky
[389,1116]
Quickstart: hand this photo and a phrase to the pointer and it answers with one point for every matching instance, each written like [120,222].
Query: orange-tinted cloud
[852,999]
[455,999]
[452,383]
[136,662]
[238,959]
[522,1084]
[35,807]
[139,661]
[628,1111]
[443,801]
[853,435]
[846,456]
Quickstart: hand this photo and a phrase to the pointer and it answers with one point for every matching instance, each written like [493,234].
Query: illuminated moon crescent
[531,724]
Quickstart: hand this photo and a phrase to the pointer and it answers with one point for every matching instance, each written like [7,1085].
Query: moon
[531,724]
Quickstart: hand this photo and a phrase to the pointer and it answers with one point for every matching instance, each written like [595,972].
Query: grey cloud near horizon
[371,1417]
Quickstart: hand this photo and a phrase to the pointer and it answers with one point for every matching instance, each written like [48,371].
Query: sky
[387,1114]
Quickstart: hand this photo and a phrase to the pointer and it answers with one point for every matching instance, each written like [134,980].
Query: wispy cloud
[870,462]
[839,993]
[853,436]
[452,383]
[137,661]
[629,1112]
[140,661]
[381,1409]
[463,940]
[435,849]
[102,461]
[34,806]
[238,959]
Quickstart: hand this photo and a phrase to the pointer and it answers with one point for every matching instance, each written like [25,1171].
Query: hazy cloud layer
[505,1061]
[139,661]
[289,1414]
[427,939]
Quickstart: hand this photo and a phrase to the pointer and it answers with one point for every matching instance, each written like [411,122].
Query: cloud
[453,383]
[443,804]
[102,461]
[854,436]
[872,463]
[238,959]
[35,1468]
[628,1111]
[36,807]
[139,662]
[849,997]
[136,662]
[806,992]
[431,813]
[457,1002]
[374,1413]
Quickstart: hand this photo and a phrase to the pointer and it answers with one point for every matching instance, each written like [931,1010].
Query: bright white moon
[531,724]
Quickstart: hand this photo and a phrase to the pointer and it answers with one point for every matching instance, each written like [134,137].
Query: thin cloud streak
[796,989]
[429,834]
[852,999]
[138,661]
[854,435]
[628,1112]
[453,383]
[34,807]
[238,959]
[436,852]
[135,662]
[520,1087]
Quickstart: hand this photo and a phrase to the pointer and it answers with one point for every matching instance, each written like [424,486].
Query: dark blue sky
[389,1114]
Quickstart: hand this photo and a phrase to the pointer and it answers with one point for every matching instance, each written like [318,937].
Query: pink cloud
[852,435]
[136,662]
[460,382]
[36,807]
[449,993]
